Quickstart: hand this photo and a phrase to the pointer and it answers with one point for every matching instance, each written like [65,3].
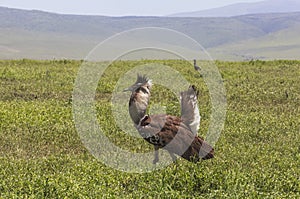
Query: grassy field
[257,155]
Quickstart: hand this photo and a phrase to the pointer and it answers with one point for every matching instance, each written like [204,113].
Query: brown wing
[170,133]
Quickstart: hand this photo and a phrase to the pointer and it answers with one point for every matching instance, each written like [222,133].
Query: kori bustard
[177,135]
[197,68]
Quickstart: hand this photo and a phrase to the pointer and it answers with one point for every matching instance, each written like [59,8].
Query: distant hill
[42,35]
[267,6]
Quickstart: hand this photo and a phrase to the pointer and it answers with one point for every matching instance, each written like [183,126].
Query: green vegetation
[257,155]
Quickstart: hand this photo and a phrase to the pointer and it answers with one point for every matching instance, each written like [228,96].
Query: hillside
[267,6]
[284,44]
[42,35]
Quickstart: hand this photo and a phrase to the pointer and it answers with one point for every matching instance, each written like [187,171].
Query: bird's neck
[138,104]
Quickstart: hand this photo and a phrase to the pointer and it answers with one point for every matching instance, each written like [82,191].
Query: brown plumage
[177,135]
[169,132]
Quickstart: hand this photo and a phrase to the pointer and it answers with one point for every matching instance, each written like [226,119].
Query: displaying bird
[177,135]
[197,68]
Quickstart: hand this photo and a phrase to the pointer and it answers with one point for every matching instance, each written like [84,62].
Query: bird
[197,68]
[177,135]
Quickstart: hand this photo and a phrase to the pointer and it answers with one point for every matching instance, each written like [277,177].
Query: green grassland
[42,156]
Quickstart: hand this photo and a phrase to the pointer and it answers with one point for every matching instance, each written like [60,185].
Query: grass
[42,156]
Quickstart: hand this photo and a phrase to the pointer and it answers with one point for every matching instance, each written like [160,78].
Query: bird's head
[142,81]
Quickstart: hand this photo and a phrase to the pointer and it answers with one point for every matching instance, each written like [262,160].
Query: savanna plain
[256,156]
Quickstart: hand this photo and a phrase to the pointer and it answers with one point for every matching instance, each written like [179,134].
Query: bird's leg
[172,156]
[156,159]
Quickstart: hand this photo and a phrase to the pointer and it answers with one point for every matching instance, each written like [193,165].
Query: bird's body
[197,68]
[169,132]
[177,135]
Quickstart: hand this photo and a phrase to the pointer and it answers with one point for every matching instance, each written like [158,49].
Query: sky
[119,7]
